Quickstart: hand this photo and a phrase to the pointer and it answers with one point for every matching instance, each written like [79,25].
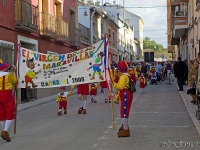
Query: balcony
[179,25]
[74,37]
[84,34]
[63,31]
[48,25]
[26,16]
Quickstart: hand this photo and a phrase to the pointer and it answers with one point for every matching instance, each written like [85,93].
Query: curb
[189,109]
[37,102]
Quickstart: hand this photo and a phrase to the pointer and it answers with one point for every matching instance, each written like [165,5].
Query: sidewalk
[37,102]
[190,107]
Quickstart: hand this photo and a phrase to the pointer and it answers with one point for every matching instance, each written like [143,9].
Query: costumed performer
[83,91]
[7,101]
[126,98]
[62,99]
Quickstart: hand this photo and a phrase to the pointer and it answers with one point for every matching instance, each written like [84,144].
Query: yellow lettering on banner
[55,57]
[46,67]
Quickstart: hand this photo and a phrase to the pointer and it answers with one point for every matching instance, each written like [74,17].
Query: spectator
[179,70]
[191,81]
[158,71]
[186,72]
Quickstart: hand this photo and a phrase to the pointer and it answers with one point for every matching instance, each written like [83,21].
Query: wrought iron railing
[48,25]
[74,36]
[84,34]
[26,15]
[63,31]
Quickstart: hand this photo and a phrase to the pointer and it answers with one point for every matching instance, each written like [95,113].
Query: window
[195,52]
[94,32]
[113,36]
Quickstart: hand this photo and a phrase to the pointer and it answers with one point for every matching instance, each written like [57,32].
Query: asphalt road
[158,115]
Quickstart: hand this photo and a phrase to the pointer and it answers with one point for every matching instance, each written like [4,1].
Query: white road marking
[143,112]
[158,126]
[105,132]
[95,145]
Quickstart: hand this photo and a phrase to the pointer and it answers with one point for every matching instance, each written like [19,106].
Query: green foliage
[151,44]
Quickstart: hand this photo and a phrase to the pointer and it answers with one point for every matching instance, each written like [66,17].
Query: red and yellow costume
[7,101]
[62,99]
[138,69]
[125,94]
[133,73]
[142,82]
[83,89]
[152,69]
[93,88]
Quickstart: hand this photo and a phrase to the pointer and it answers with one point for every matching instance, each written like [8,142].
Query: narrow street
[158,115]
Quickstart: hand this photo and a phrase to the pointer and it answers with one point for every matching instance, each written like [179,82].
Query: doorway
[31,93]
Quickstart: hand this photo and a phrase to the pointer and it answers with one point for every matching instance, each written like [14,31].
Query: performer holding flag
[126,98]
[7,101]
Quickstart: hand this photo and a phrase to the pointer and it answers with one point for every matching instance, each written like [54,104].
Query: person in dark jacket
[179,72]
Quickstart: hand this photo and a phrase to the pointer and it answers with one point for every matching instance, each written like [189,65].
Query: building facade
[45,26]
[100,23]
[177,23]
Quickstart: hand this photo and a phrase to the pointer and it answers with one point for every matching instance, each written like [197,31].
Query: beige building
[177,24]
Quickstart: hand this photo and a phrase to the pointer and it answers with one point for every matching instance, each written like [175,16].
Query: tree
[151,44]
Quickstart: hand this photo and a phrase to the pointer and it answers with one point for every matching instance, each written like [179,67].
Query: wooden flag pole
[112,104]
[16,102]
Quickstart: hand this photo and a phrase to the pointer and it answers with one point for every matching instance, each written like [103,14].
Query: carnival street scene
[99,74]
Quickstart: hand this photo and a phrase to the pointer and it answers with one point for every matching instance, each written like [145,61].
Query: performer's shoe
[121,128]
[5,135]
[106,101]
[109,101]
[80,110]
[95,101]
[92,78]
[92,100]
[124,133]
[101,77]
[65,112]
[84,111]
[59,113]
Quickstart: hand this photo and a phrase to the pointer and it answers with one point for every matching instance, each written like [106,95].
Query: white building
[137,23]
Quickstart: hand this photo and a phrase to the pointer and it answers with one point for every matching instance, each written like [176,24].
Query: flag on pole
[107,65]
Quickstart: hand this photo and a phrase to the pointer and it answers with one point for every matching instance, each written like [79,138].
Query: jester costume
[142,82]
[133,73]
[7,101]
[126,98]
[93,91]
[138,69]
[62,100]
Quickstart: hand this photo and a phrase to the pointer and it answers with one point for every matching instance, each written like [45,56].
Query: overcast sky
[154,18]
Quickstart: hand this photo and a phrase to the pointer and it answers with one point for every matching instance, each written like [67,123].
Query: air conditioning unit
[191,40]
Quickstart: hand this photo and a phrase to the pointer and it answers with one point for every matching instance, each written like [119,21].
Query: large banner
[38,70]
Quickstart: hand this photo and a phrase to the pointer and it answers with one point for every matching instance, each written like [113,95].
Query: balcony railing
[63,31]
[180,20]
[84,34]
[26,16]
[74,37]
[48,25]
